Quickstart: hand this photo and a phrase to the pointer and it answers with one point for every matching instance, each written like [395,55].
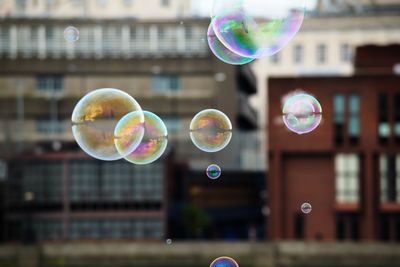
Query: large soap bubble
[257,28]
[211,130]
[224,262]
[223,53]
[302,113]
[154,141]
[94,119]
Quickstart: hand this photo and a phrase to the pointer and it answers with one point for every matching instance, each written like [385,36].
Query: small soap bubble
[213,171]
[168,241]
[306,208]
[71,34]
[224,262]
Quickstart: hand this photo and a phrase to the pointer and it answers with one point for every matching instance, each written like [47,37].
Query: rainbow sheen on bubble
[71,34]
[302,113]
[306,208]
[223,53]
[257,28]
[210,130]
[213,171]
[224,262]
[94,120]
[155,138]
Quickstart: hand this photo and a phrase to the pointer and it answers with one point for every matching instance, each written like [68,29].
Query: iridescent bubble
[213,171]
[306,208]
[223,53]
[71,34]
[302,113]
[257,28]
[224,262]
[155,138]
[94,120]
[210,130]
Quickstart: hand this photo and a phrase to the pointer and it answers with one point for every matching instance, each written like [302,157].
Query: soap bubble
[71,34]
[223,53]
[155,138]
[306,208]
[210,130]
[213,171]
[302,113]
[168,241]
[224,262]
[257,28]
[94,119]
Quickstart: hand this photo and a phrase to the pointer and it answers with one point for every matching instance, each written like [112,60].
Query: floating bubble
[302,113]
[223,53]
[210,130]
[168,241]
[213,171]
[257,28]
[71,34]
[224,262]
[306,208]
[155,138]
[94,119]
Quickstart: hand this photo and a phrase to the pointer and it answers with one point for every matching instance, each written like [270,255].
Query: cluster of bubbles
[224,262]
[302,113]
[243,30]
[109,124]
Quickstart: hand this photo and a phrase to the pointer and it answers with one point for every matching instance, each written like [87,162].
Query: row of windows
[89,181]
[103,41]
[100,229]
[347,173]
[22,4]
[346,54]
[388,117]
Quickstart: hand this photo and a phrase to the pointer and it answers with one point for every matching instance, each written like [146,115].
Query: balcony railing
[102,41]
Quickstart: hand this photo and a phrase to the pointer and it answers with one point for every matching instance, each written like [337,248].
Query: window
[396,129]
[346,53]
[21,5]
[321,53]
[347,170]
[298,54]
[275,59]
[165,3]
[188,32]
[49,83]
[389,166]
[354,118]
[383,117]
[165,83]
[173,125]
[299,226]
[50,127]
[128,3]
[339,113]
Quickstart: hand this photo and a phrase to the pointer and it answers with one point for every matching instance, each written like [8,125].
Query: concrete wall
[201,254]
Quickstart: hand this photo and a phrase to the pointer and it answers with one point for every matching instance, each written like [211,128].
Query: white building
[140,9]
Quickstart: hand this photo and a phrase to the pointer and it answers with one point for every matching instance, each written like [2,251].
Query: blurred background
[59,207]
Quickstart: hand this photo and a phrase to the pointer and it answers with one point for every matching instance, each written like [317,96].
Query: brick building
[349,167]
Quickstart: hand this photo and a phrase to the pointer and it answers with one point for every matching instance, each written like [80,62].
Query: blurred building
[165,65]
[326,43]
[118,9]
[348,168]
